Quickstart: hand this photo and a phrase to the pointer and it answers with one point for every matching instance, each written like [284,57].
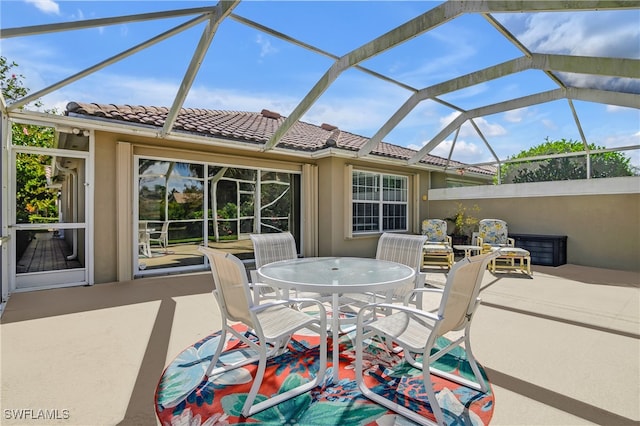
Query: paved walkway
[46,252]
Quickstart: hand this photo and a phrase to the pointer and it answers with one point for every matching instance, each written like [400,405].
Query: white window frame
[381,202]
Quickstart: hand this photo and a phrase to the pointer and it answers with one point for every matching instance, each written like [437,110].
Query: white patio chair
[160,237]
[400,248]
[268,248]
[273,323]
[405,249]
[415,331]
[143,239]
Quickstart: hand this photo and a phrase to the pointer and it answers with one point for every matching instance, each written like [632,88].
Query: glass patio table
[335,276]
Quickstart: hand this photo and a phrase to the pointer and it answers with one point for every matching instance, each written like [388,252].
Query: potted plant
[464,220]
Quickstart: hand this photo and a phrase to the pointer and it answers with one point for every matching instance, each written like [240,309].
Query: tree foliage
[34,201]
[608,164]
[11,83]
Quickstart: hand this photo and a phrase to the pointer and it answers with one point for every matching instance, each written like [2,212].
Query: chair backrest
[231,285]
[405,249]
[165,227]
[435,230]
[401,248]
[493,231]
[269,248]
[461,291]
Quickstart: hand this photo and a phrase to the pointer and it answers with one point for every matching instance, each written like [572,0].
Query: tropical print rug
[184,395]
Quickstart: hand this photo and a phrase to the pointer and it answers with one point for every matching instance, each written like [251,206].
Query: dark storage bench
[547,250]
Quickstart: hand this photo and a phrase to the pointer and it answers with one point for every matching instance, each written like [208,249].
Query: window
[379,202]
[181,205]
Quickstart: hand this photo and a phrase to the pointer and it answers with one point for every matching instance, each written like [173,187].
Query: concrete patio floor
[561,348]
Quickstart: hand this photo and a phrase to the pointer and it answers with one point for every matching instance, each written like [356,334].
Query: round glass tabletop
[331,274]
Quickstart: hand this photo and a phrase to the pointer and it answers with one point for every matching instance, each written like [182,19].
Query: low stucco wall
[600,217]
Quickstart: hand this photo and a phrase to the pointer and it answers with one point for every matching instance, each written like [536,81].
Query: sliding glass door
[180,205]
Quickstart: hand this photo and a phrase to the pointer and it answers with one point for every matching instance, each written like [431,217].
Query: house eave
[66,123]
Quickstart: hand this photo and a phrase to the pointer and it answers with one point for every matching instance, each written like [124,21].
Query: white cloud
[45,6]
[266,48]
[614,34]
[622,140]
[549,124]
[614,109]
[464,151]
[444,121]
[515,115]
[237,100]
[603,33]
[487,128]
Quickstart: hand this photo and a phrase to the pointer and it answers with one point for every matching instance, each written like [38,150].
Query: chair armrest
[289,302]
[427,290]
[413,292]
[511,242]
[362,314]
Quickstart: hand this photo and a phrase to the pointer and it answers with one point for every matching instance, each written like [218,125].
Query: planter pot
[459,240]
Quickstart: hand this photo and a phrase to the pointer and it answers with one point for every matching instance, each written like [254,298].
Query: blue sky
[248,70]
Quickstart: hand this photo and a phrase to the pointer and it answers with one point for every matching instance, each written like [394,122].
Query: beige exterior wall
[334,182]
[603,230]
[109,244]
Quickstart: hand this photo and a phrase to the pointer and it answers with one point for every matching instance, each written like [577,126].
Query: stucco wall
[332,236]
[105,245]
[603,230]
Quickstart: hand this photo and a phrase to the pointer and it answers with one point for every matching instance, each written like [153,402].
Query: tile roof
[254,127]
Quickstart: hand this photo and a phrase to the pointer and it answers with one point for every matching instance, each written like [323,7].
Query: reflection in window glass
[170,214]
[186,170]
[365,186]
[185,198]
[240,201]
[153,167]
[275,202]
[151,198]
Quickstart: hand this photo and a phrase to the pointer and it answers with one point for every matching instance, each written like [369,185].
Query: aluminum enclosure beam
[222,10]
[101,22]
[167,34]
[516,103]
[619,67]
[404,32]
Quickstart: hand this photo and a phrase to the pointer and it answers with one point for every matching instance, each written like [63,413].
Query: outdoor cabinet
[546,250]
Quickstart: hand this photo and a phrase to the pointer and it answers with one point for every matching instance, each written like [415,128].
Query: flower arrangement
[464,219]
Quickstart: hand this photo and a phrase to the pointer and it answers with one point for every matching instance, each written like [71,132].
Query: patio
[559,348]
